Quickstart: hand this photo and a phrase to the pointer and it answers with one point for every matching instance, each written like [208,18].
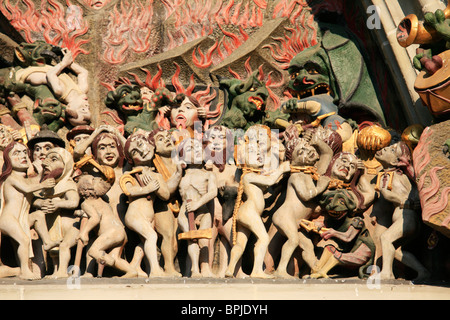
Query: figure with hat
[57,205]
[41,143]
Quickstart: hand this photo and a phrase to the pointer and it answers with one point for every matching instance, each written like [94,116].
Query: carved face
[304,154]
[217,141]
[252,96]
[163,143]
[140,150]
[19,157]
[345,166]
[37,53]
[308,74]
[337,203]
[389,155]
[185,115]
[41,149]
[107,152]
[192,152]
[146,94]
[125,98]
[257,147]
[47,110]
[78,111]
[79,138]
[53,165]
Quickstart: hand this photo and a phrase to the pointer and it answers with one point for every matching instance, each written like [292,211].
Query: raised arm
[52,74]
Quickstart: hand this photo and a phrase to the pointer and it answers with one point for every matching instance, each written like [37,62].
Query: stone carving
[192,172]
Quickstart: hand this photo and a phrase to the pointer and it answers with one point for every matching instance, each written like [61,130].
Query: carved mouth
[48,112]
[321,88]
[336,214]
[132,107]
[257,101]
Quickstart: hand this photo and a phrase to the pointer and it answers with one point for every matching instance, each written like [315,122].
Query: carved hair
[100,137]
[405,160]
[353,182]
[134,136]
[227,153]
[7,164]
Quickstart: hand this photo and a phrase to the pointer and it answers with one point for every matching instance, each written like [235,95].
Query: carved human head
[185,112]
[107,150]
[139,149]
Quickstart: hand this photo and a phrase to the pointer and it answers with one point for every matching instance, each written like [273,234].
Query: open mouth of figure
[109,158]
[336,214]
[344,170]
[321,88]
[181,121]
[134,107]
[257,101]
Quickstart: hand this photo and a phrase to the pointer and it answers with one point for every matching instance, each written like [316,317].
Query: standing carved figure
[247,214]
[198,189]
[143,186]
[111,237]
[16,194]
[309,161]
[395,185]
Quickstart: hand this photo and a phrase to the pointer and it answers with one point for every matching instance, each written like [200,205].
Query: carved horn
[412,31]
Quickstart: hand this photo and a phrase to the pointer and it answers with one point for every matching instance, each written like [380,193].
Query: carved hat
[46,135]
[86,129]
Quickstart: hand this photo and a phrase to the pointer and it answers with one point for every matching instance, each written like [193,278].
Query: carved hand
[48,183]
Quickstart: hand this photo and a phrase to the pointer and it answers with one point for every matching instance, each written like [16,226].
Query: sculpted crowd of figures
[291,192]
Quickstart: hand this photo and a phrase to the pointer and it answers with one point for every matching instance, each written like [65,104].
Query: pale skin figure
[140,214]
[299,204]
[225,171]
[197,188]
[17,192]
[74,95]
[165,221]
[250,211]
[405,220]
[60,206]
[111,237]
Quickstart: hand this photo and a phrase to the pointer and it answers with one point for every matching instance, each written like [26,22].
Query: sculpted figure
[111,237]
[250,201]
[27,80]
[187,116]
[395,186]
[219,158]
[346,240]
[16,195]
[166,211]
[73,95]
[76,136]
[91,149]
[309,161]
[134,107]
[197,188]
[143,186]
[246,105]
[56,206]
[40,145]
